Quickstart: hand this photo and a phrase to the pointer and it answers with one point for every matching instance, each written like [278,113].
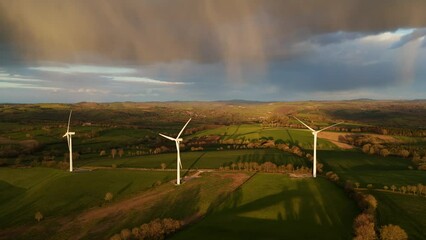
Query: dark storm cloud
[203,31]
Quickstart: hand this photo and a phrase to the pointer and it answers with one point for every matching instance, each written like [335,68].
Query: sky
[204,50]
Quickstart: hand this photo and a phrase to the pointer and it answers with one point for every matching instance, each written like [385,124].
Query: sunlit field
[274,206]
[201,159]
[301,137]
[59,193]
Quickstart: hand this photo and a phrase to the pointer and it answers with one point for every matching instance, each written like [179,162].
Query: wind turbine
[177,141]
[315,133]
[69,134]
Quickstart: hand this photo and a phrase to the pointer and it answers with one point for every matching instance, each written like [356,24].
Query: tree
[384,152]
[385,187]
[404,153]
[125,234]
[115,237]
[38,216]
[120,152]
[102,153]
[113,152]
[371,201]
[414,189]
[357,184]
[163,166]
[404,189]
[233,165]
[240,165]
[365,232]
[420,188]
[393,187]
[364,227]
[366,148]
[136,233]
[108,196]
[392,232]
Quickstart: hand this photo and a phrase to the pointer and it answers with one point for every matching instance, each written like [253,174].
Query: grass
[194,197]
[202,159]
[58,193]
[371,169]
[407,211]
[274,206]
[300,137]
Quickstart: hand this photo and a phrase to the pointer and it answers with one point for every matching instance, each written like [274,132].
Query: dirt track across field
[98,220]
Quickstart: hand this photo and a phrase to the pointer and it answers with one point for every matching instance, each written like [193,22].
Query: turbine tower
[69,134]
[315,133]
[177,141]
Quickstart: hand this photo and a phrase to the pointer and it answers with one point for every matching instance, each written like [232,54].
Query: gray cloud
[336,37]
[416,34]
[202,31]
[251,49]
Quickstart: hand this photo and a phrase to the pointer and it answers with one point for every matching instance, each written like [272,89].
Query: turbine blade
[170,138]
[181,131]
[304,124]
[69,120]
[329,127]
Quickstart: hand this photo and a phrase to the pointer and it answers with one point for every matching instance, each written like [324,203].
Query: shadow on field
[299,212]
[290,205]
[183,204]
[193,164]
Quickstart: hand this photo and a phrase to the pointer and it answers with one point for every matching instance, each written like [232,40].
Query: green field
[274,206]
[300,137]
[201,159]
[57,192]
[371,169]
[406,210]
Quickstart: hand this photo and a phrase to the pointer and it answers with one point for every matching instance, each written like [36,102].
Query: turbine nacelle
[68,134]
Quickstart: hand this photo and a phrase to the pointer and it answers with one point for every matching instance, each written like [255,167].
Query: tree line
[157,229]
[376,146]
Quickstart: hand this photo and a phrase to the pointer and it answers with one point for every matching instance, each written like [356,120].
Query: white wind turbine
[69,134]
[177,141]
[315,133]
